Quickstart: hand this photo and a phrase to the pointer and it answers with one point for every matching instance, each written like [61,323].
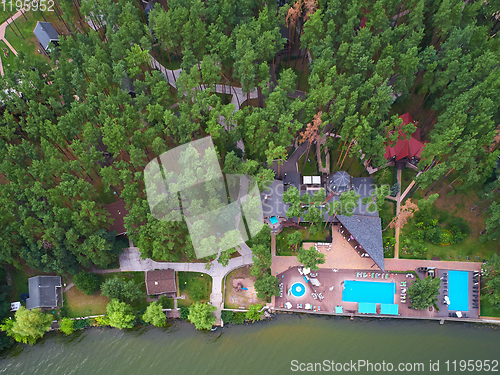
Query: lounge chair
[281,305]
[319,308]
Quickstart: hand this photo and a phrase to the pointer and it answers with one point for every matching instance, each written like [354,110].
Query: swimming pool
[298,290]
[458,290]
[368,291]
[273,219]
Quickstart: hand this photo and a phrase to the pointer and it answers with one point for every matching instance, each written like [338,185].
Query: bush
[101,321]
[459,229]
[154,315]
[166,302]
[433,235]
[184,310]
[66,326]
[446,237]
[238,318]
[120,314]
[227,316]
[81,323]
[88,283]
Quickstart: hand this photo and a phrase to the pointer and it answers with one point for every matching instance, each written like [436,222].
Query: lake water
[262,348]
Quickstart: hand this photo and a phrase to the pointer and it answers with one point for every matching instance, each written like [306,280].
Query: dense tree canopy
[77,132]
[27,326]
[423,292]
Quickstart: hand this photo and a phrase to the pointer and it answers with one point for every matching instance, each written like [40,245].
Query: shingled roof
[118,211]
[160,282]
[43,292]
[367,231]
[45,33]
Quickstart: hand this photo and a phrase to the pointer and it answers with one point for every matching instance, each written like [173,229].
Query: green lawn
[351,164]
[407,176]
[19,283]
[196,286]
[470,248]
[77,304]
[6,61]
[488,310]
[29,44]
[311,166]
[282,247]
[387,213]
[385,176]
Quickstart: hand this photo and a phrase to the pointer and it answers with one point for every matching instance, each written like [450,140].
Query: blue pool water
[298,290]
[458,290]
[273,219]
[368,291]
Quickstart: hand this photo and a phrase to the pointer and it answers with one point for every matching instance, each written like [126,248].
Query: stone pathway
[3,26]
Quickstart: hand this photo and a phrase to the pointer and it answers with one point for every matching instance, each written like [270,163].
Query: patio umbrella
[459,314]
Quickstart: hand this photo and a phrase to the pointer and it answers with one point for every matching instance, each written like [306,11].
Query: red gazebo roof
[405,148]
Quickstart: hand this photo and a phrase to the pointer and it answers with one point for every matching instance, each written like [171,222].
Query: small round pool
[298,290]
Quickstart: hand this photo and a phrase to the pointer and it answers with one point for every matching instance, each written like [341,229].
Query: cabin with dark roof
[45,292]
[46,34]
[161,282]
[117,212]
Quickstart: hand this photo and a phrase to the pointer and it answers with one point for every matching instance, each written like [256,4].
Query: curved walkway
[3,26]
[238,96]
[130,260]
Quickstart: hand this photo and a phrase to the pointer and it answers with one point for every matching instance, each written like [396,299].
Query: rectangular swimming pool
[458,290]
[368,291]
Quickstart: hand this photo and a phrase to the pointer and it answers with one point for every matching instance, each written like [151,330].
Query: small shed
[160,282]
[46,33]
[45,292]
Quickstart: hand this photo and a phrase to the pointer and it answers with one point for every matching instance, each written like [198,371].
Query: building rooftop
[45,33]
[43,292]
[117,211]
[367,231]
[272,200]
[160,282]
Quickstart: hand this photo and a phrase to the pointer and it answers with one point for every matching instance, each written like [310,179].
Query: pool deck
[342,262]
[329,278]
